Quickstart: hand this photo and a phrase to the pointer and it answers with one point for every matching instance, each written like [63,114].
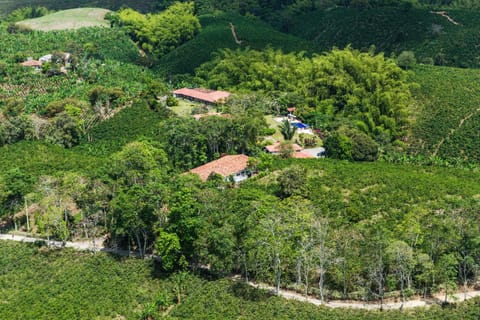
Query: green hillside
[72,285]
[216,34]
[432,37]
[68,19]
[130,124]
[448,125]
[6,6]
[104,43]
[42,284]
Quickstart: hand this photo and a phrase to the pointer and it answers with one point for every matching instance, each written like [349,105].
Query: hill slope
[433,37]
[69,19]
[448,125]
[216,33]
[6,6]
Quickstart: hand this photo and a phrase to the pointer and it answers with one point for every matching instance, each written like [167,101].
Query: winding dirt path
[97,246]
[445,15]
[436,300]
[234,34]
[452,131]
[94,245]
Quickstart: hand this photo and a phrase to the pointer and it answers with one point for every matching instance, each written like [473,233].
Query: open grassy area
[69,19]
[184,107]
[6,6]
[448,124]
[432,37]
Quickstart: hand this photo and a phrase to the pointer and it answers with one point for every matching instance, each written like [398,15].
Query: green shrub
[338,146]
[406,59]
[364,148]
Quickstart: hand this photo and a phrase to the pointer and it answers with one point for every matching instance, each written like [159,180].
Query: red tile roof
[224,166]
[205,95]
[275,148]
[301,155]
[198,116]
[31,63]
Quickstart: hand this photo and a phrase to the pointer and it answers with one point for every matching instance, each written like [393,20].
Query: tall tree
[401,260]
[287,130]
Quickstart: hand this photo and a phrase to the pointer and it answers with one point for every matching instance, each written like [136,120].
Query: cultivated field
[69,19]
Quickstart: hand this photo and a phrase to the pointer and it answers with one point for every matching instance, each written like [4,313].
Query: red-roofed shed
[302,155]
[203,95]
[32,63]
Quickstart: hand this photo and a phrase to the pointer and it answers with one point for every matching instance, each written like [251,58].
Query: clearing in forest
[69,19]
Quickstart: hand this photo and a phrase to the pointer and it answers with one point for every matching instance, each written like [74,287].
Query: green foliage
[8,6]
[67,284]
[448,120]
[129,124]
[338,146]
[292,181]
[216,34]
[14,186]
[190,143]
[112,44]
[168,248]
[126,284]
[364,148]
[392,31]
[26,13]
[406,59]
[287,130]
[163,32]
[344,84]
[231,300]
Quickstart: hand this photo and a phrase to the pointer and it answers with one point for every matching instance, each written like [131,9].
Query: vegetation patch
[68,19]
[38,283]
[432,37]
[448,122]
[216,34]
[7,6]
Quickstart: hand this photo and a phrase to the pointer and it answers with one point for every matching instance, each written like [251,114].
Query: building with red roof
[32,63]
[203,95]
[302,155]
[226,166]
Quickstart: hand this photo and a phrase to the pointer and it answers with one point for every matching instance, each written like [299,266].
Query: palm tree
[287,130]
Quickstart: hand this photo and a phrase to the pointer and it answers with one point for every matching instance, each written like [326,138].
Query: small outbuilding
[32,63]
[203,95]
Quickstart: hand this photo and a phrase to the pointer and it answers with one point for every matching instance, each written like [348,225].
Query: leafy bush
[406,59]
[338,146]
[364,148]
[161,33]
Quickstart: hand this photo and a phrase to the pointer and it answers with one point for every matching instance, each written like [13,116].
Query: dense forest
[95,145]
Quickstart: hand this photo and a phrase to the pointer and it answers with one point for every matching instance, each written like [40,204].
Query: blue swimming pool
[300,125]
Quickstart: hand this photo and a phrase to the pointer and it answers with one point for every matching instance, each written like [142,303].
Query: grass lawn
[277,136]
[184,107]
[270,119]
[69,19]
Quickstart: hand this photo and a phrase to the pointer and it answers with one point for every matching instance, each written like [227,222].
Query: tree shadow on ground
[246,292]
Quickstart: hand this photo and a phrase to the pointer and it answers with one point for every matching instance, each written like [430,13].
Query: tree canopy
[160,33]
[363,90]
